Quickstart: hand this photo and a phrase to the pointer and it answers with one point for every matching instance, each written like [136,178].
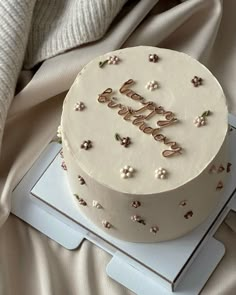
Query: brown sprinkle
[63,165]
[220,185]
[153,58]
[221,169]
[188,215]
[213,169]
[154,229]
[80,200]
[135,204]
[81,180]
[183,203]
[125,141]
[138,219]
[106,224]
[86,145]
[228,169]
[197,81]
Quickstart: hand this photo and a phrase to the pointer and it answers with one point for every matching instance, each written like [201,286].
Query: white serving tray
[43,199]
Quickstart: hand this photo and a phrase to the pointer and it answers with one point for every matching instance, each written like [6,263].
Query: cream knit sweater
[34,30]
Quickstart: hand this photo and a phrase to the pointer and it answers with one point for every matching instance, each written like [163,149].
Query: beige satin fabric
[30,263]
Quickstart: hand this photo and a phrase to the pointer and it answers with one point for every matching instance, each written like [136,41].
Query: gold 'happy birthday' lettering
[138,119]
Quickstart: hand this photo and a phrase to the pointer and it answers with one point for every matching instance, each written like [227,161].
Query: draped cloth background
[30,263]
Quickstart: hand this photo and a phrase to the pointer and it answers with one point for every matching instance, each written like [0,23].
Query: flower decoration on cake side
[152,85]
[161,173]
[183,203]
[126,172]
[218,170]
[79,106]
[106,224]
[213,169]
[86,145]
[188,215]
[200,121]
[61,154]
[125,141]
[221,168]
[153,58]
[97,205]
[135,204]
[59,134]
[154,229]
[196,81]
[80,200]
[220,185]
[228,169]
[136,218]
[81,180]
[63,165]
[111,60]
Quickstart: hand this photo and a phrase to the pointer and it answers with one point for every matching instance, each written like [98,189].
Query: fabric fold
[203,29]
[59,25]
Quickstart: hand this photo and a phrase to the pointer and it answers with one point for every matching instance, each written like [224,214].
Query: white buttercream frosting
[175,92]
[146,190]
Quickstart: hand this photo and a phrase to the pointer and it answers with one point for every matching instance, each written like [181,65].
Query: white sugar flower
[199,121]
[154,229]
[160,173]
[106,224]
[59,132]
[79,106]
[152,85]
[137,218]
[126,172]
[113,60]
[97,205]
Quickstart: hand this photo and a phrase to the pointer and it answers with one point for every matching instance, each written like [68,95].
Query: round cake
[144,143]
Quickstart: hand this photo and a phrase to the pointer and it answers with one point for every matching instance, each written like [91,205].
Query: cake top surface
[144,120]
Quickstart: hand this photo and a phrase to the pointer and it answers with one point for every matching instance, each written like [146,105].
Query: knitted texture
[15,20]
[50,27]
[59,25]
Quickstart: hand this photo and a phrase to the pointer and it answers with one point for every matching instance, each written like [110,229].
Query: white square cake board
[43,199]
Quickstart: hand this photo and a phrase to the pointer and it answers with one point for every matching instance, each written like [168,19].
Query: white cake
[144,141]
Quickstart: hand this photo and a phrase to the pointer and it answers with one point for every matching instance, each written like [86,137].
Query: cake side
[149,218]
